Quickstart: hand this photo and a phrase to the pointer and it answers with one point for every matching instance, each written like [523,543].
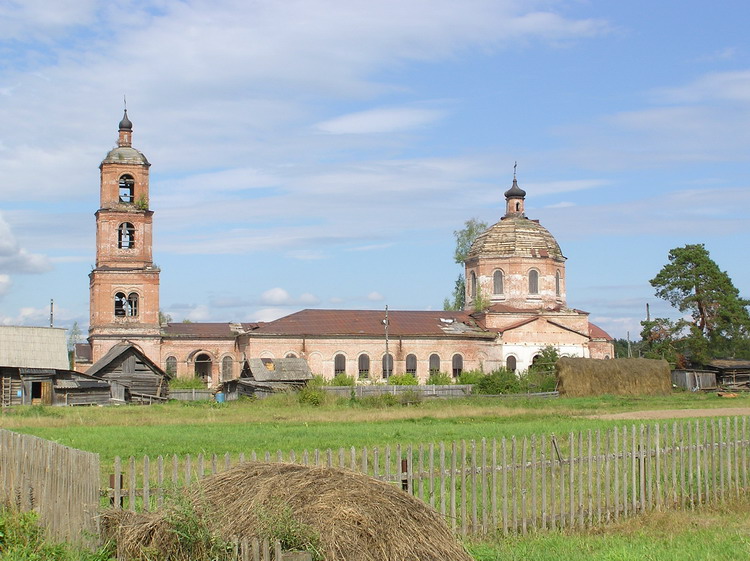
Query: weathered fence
[512,485]
[453,390]
[256,550]
[60,483]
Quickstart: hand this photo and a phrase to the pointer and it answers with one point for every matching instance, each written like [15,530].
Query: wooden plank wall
[60,483]
[515,485]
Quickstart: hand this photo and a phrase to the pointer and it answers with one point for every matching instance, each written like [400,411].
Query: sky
[321,154]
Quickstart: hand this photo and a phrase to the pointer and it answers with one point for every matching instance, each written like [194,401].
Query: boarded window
[387,365]
[558,290]
[411,365]
[473,285]
[510,364]
[171,366]
[363,366]
[127,189]
[434,364]
[226,368]
[533,281]
[128,365]
[458,365]
[497,282]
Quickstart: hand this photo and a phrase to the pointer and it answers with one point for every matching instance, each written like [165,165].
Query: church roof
[206,330]
[516,236]
[125,155]
[370,323]
[596,332]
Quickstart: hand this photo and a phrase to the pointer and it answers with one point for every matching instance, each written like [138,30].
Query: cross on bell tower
[124,285]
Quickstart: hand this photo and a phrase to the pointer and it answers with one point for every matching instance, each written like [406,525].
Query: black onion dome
[125,124]
[515,191]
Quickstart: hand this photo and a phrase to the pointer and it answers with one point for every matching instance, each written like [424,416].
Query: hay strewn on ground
[355,517]
[580,377]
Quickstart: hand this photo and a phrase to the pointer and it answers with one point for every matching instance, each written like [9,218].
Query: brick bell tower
[124,300]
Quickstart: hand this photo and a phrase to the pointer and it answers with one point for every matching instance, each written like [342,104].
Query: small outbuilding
[262,377]
[134,378]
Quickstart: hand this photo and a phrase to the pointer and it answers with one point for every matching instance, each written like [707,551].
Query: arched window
[533,281]
[203,366]
[434,364]
[132,305]
[497,282]
[363,366]
[558,290]
[387,365]
[458,365]
[126,236]
[290,355]
[127,188]
[411,365]
[510,364]
[226,368]
[339,364]
[121,302]
[473,285]
[171,366]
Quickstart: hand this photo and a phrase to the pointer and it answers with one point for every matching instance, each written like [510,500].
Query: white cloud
[268,314]
[199,313]
[380,121]
[375,297]
[275,296]
[15,259]
[4,284]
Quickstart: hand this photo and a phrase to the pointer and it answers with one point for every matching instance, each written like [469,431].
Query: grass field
[716,533]
[283,424]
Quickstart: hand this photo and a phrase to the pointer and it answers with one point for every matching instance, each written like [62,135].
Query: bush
[311,395]
[498,382]
[403,380]
[470,377]
[192,383]
[410,397]
[317,381]
[378,401]
[533,382]
[439,379]
[342,380]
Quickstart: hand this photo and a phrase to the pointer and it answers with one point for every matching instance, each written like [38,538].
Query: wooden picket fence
[60,483]
[510,485]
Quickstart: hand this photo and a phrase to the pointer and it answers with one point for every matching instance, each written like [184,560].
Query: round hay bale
[344,515]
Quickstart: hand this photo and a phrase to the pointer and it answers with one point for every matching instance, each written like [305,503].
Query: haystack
[579,377]
[353,517]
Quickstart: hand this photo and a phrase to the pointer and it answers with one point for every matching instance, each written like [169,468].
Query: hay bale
[353,517]
[579,377]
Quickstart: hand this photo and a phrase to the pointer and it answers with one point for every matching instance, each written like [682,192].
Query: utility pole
[387,362]
[51,313]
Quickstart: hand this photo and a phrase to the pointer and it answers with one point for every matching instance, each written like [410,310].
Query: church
[515,304]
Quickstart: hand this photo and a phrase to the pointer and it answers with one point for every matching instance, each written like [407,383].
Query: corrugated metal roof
[206,330]
[370,323]
[596,332]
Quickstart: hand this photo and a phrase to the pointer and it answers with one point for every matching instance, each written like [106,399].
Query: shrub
[403,380]
[317,381]
[192,383]
[342,380]
[311,395]
[378,401]
[532,381]
[410,397]
[439,379]
[470,377]
[498,382]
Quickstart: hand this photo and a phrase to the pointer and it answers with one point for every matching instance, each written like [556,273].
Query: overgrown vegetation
[439,379]
[403,380]
[192,383]
[22,539]
[342,379]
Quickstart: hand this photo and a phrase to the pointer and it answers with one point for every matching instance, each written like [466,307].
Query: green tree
[719,321]
[545,360]
[464,239]
[74,336]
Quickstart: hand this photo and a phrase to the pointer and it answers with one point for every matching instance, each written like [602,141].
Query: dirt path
[677,413]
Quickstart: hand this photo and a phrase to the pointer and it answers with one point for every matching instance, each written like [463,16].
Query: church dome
[125,155]
[516,236]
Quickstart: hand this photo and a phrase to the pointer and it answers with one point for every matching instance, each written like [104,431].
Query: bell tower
[124,285]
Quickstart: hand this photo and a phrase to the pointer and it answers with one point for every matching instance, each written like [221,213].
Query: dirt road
[677,413]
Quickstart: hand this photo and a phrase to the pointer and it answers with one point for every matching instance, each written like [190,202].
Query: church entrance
[203,367]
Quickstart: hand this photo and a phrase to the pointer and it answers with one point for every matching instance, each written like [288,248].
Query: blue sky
[321,153]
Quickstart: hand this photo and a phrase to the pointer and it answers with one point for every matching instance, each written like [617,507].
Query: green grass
[716,533]
[283,424]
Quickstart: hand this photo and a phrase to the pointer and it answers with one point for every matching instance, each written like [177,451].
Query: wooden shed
[134,377]
[265,376]
[50,386]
